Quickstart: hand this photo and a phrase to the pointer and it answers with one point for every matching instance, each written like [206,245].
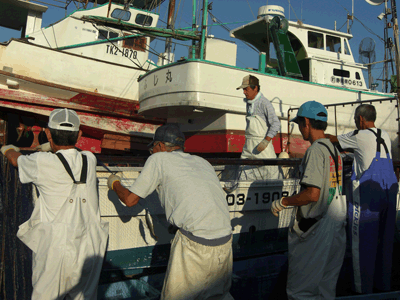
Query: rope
[250,9]
[368,29]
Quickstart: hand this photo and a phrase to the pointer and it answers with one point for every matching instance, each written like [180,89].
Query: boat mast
[170,25]
[396,43]
[194,29]
[350,17]
[204,28]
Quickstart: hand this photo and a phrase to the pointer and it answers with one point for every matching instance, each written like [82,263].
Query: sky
[322,13]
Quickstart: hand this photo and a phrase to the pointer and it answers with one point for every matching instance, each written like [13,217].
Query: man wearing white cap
[65,232]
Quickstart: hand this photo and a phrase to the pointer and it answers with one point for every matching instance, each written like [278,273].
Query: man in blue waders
[372,203]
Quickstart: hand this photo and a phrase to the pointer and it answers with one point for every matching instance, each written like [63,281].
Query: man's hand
[277,206]
[5,148]
[44,147]
[261,146]
[113,178]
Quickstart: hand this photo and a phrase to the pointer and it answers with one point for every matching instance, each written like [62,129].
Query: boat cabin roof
[295,25]
[14,13]
[327,41]
[142,4]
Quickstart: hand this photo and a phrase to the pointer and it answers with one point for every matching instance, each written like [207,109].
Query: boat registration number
[122,52]
[257,198]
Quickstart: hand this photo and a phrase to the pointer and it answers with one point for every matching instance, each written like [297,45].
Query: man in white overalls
[65,233]
[262,125]
[317,237]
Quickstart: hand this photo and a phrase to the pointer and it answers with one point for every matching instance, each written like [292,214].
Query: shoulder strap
[69,171]
[380,141]
[84,169]
[335,159]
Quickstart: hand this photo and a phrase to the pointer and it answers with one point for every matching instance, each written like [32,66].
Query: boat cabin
[77,35]
[307,52]
[21,15]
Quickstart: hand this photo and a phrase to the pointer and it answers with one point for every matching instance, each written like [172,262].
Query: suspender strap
[84,169]
[335,159]
[68,169]
[380,141]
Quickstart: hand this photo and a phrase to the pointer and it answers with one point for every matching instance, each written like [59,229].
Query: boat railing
[343,104]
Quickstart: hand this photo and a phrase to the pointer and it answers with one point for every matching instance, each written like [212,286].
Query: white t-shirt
[46,171]
[189,191]
[364,144]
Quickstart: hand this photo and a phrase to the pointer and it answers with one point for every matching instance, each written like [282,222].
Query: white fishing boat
[311,63]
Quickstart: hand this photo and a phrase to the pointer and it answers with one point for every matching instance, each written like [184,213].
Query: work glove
[277,206]
[5,148]
[261,146]
[113,178]
[44,147]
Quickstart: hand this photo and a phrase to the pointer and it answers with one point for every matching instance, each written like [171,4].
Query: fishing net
[15,258]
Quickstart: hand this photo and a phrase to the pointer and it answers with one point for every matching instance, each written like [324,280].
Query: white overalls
[316,255]
[256,129]
[68,250]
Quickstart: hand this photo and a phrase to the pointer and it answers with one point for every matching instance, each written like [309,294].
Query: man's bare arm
[306,196]
[12,156]
[130,199]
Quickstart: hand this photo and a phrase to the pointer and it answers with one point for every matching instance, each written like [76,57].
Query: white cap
[64,119]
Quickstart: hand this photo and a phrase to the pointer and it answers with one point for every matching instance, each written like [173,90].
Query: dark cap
[169,133]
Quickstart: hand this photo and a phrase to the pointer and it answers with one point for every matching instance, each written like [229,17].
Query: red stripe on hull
[234,142]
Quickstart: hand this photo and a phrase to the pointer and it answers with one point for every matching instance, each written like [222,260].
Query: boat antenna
[350,17]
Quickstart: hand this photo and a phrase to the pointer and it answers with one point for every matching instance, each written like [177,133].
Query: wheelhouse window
[104,34]
[135,43]
[333,43]
[121,14]
[341,73]
[358,75]
[144,20]
[316,40]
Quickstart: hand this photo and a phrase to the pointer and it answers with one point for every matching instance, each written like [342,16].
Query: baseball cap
[312,110]
[64,119]
[247,81]
[169,133]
